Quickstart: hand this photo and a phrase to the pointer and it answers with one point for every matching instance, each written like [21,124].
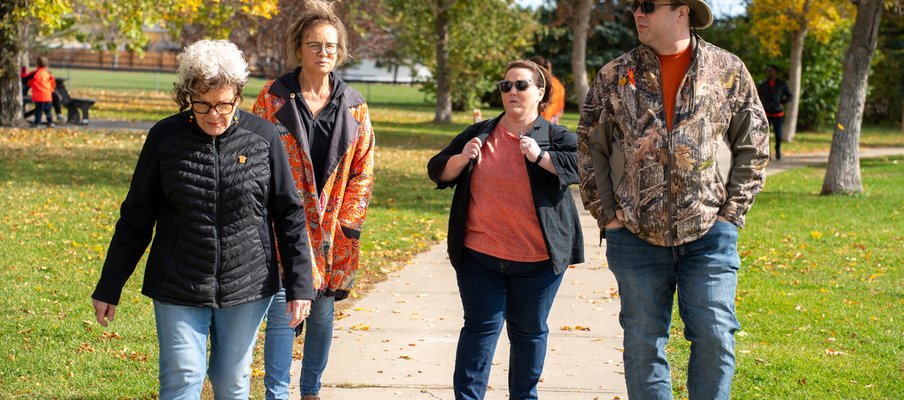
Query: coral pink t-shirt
[502,220]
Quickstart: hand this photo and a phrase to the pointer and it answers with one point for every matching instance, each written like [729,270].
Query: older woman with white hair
[215,191]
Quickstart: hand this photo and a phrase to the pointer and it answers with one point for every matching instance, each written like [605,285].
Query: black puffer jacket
[216,203]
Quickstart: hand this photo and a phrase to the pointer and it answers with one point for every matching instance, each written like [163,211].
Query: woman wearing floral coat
[325,127]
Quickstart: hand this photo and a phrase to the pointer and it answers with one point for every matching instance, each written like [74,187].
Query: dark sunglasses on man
[521,85]
[648,6]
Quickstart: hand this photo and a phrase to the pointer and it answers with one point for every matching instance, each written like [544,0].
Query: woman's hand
[529,148]
[472,149]
[297,310]
[103,310]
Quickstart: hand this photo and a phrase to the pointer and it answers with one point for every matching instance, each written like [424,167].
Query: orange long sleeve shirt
[673,68]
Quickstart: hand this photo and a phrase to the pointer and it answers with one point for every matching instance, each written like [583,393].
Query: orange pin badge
[242,159]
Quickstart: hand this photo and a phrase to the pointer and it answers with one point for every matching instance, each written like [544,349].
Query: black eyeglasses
[224,108]
[648,7]
[521,85]
[316,47]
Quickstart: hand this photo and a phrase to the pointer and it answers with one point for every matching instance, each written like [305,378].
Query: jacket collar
[697,43]
[289,115]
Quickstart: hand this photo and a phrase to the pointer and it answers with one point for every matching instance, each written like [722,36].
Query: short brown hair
[316,13]
[42,62]
[539,75]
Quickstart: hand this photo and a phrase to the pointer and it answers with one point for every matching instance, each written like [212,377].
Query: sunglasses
[521,85]
[648,7]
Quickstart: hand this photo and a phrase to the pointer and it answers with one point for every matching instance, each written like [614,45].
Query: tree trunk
[794,74]
[580,27]
[10,81]
[443,89]
[843,172]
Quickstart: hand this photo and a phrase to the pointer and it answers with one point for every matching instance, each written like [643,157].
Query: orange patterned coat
[336,214]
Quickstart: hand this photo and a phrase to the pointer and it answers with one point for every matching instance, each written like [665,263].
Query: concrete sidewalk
[399,341]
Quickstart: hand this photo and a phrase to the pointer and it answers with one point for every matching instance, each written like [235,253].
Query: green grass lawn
[820,292]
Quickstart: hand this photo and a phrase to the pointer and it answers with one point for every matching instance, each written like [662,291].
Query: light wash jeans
[182,333]
[704,272]
[278,342]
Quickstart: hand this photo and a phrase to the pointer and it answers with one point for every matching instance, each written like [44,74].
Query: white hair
[209,64]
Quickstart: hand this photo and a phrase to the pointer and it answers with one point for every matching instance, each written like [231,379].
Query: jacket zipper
[216,193]
[668,171]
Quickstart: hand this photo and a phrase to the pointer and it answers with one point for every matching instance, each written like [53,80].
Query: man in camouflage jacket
[669,219]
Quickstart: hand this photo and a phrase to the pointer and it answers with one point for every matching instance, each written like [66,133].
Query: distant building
[368,70]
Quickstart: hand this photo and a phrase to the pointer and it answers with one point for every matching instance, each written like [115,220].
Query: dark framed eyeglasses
[203,107]
[648,6]
[317,47]
[521,85]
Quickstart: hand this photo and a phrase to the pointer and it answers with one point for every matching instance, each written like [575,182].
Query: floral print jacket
[667,190]
[336,215]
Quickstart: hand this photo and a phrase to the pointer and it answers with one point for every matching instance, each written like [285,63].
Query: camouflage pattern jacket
[665,185]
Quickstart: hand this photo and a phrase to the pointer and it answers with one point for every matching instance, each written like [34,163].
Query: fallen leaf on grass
[125,354]
[85,348]
[832,352]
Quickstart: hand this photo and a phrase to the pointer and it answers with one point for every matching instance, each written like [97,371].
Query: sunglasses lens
[522,85]
[505,86]
[646,7]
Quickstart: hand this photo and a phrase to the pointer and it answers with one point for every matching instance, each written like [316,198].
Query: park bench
[76,109]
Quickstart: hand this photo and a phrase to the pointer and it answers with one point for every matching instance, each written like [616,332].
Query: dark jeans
[43,108]
[776,123]
[494,291]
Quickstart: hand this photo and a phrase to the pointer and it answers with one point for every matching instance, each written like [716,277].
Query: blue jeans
[183,332]
[280,338]
[704,272]
[494,291]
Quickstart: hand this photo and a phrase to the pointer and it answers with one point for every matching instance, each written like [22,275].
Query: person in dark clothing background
[774,94]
